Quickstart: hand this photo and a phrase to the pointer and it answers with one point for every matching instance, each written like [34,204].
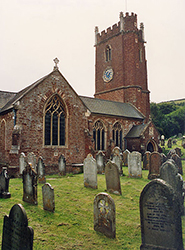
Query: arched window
[117,134]
[99,135]
[108,53]
[54,120]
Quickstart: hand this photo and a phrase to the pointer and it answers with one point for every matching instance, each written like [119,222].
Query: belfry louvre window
[99,135]
[117,134]
[108,53]
[55,116]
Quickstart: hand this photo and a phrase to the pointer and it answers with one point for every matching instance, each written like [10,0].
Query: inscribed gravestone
[22,163]
[169,173]
[31,159]
[62,165]
[90,172]
[100,161]
[161,226]
[17,235]
[178,162]
[41,171]
[134,164]
[4,184]
[104,215]
[154,166]
[125,157]
[48,197]
[29,185]
[112,178]
[146,160]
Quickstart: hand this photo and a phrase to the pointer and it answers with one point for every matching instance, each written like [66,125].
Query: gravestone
[169,143]
[90,172]
[155,164]
[178,151]
[105,215]
[62,165]
[4,184]
[31,159]
[125,157]
[17,235]
[22,163]
[161,226]
[112,178]
[170,153]
[146,160]
[48,197]
[134,165]
[178,162]
[162,141]
[29,177]
[117,159]
[41,171]
[163,158]
[169,173]
[100,161]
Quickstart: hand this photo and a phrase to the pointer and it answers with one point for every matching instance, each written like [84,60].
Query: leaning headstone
[100,161]
[48,197]
[62,165]
[31,159]
[134,165]
[4,184]
[29,177]
[125,157]
[112,178]
[155,164]
[17,235]
[105,215]
[90,172]
[41,171]
[169,143]
[169,173]
[22,163]
[146,160]
[178,162]
[161,226]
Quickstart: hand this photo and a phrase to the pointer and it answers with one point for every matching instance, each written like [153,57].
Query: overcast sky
[34,32]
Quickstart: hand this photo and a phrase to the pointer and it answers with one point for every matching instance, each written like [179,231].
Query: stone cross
[56,61]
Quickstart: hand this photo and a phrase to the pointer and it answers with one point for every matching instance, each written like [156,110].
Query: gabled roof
[5,96]
[136,131]
[111,108]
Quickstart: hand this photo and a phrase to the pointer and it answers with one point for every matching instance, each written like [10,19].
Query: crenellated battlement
[109,32]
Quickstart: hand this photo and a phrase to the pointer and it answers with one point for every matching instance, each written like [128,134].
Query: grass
[71,226]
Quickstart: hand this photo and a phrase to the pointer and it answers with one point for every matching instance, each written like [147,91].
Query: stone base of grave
[5,195]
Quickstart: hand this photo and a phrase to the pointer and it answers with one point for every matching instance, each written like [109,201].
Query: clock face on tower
[108,75]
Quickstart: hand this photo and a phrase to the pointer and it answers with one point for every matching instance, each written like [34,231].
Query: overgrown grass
[71,226]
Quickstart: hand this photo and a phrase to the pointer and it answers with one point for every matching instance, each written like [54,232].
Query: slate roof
[5,96]
[136,131]
[112,108]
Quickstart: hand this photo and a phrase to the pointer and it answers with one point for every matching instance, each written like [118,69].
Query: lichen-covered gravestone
[105,215]
[4,184]
[161,226]
[62,165]
[134,165]
[17,235]
[41,171]
[154,166]
[112,178]
[29,177]
[100,161]
[48,197]
[90,172]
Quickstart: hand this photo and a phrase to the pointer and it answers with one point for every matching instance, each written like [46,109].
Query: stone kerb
[48,197]
[100,161]
[154,166]
[17,234]
[161,226]
[90,172]
[134,165]
[105,215]
[112,178]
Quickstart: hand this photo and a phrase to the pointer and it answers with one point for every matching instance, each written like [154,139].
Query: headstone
[100,161]
[41,171]
[117,151]
[155,164]
[134,165]
[169,143]
[29,185]
[170,153]
[105,215]
[161,226]
[17,235]
[31,159]
[178,151]
[62,165]
[163,158]
[117,159]
[48,197]
[125,157]
[162,141]
[4,184]
[146,160]
[90,172]
[169,173]
[112,178]
[178,162]
[22,163]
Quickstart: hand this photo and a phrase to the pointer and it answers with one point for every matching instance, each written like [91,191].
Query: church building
[50,119]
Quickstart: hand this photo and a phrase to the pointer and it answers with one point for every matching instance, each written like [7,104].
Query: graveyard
[71,224]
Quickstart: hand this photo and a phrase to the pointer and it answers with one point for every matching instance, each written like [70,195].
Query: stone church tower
[120,70]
